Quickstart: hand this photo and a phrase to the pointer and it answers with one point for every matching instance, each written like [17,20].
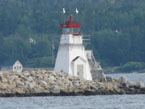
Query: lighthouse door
[80,70]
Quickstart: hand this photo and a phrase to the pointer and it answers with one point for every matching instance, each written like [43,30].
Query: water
[135,77]
[75,102]
[80,102]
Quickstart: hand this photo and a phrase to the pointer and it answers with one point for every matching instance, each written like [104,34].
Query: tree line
[116,28]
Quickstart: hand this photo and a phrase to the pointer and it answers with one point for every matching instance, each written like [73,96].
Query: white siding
[71,47]
[17,67]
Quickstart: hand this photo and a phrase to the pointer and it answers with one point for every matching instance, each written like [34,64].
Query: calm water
[80,102]
[131,76]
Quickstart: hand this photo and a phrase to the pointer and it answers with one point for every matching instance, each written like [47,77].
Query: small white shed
[17,67]
[79,66]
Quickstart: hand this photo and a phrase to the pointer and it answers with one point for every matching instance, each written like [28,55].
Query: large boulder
[31,85]
[99,85]
[26,73]
[55,89]
[109,79]
[108,86]
[52,82]
[140,85]
[2,88]
[131,84]
[51,78]
[30,78]
[18,91]
[43,83]
[123,80]
[19,84]
[4,85]
[12,85]
[100,76]
[12,78]
[4,79]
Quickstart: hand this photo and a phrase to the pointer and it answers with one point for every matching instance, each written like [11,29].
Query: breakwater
[49,83]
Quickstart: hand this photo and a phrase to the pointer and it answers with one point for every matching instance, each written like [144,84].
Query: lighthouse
[71,57]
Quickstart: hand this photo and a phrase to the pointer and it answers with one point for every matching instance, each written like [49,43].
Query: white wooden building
[71,57]
[17,66]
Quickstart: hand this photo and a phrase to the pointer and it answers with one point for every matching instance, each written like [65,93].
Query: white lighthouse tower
[71,56]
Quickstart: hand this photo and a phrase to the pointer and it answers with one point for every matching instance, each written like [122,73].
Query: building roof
[17,63]
[71,24]
[75,58]
[78,58]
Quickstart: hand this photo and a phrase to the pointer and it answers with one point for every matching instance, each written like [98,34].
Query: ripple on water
[75,102]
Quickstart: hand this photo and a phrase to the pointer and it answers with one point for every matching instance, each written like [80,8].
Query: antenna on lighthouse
[77,12]
[64,14]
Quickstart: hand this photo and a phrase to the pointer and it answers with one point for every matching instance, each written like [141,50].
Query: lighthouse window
[71,30]
[76,30]
[67,30]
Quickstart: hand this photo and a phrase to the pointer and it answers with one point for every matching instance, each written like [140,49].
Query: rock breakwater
[49,83]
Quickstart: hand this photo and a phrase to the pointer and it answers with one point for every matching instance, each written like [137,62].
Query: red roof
[71,24]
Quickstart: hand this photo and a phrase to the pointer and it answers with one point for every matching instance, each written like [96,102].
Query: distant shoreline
[112,70]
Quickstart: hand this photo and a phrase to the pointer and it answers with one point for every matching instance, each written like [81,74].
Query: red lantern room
[71,27]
